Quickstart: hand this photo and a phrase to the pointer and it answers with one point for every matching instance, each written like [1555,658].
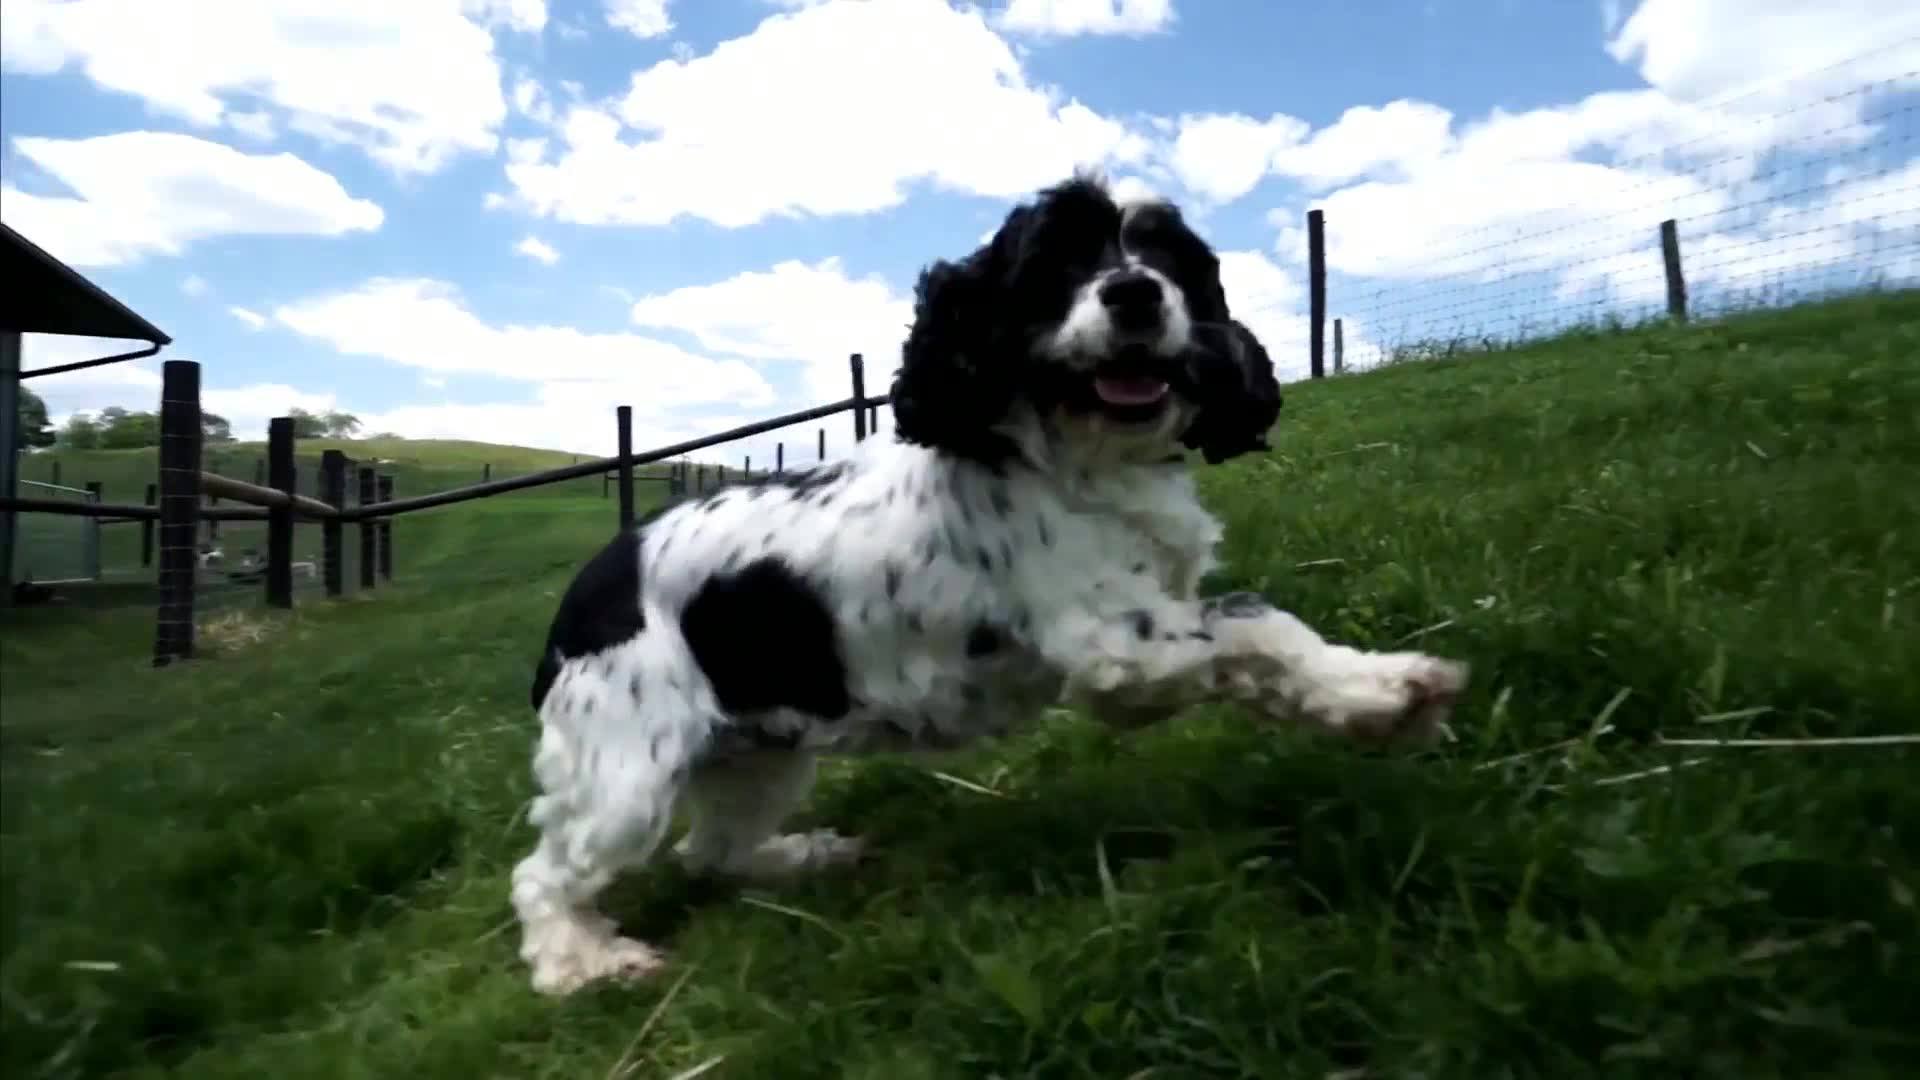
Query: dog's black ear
[953,385]
[1238,396]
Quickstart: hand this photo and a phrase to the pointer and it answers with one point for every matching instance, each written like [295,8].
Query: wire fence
[1769,206]
[54,548]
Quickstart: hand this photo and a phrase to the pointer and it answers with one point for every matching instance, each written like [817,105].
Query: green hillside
[290,858]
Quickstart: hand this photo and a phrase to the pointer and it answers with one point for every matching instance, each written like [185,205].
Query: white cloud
[848,124]
[252,319]
[1272,301]
[426,325]
[641,18]
[248,408]
[814,314]
[1399,135]
[1221,156]
[531,100]
[1769,50]
[194,285]
[1456,217]
[1067,18]
[283,60]
[142,193]
[254,125]
[135,385]
[537,249]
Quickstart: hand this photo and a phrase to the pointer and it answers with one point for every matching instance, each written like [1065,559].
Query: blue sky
[497,219]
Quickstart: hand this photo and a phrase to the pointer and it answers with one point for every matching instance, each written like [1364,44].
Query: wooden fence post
[333,491]
[779,458]
[746,467]
[823,444]
[486,471]
[260,472]
[369,528]
[213,524]
[1339,348]
[385,494]
[700,478]
[56,474]
[179,495]
[859,396]
[1676,279]
[1317,293]
[873,419]
[146,527]
[281,475]
[623,425]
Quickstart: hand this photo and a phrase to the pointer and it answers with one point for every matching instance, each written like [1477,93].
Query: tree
[341,425]
[81,432]
[124,430]
[306,425]
[35,429]
[214,428]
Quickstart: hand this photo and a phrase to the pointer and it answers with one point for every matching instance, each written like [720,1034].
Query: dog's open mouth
[1132,384]
[1129,390]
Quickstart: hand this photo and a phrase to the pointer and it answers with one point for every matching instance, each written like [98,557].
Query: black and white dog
[1031,537]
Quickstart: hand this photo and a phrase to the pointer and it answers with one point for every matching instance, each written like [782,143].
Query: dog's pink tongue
[1129,389]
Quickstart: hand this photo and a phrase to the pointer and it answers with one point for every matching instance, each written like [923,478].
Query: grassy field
[290,859]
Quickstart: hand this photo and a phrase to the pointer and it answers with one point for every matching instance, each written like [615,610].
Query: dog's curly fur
[1032,536]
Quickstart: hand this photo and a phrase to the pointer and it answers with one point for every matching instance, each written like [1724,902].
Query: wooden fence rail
[179,501]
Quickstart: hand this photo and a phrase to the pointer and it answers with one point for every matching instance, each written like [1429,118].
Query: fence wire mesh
[1772,205]
[53,548]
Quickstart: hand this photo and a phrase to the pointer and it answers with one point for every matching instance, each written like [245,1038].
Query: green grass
[294,855]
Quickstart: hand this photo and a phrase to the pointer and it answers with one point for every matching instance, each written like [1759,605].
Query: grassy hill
[290,858]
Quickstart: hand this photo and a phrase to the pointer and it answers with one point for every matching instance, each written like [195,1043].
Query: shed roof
[46,296]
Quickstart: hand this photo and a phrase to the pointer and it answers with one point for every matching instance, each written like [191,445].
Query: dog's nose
[1132,300]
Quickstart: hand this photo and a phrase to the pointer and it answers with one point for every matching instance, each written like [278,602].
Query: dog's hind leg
[609,768]
[738,803]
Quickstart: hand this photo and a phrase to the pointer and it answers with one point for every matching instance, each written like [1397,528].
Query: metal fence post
[90,556]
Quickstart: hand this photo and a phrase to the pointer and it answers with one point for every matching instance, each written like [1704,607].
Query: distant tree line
[115,428]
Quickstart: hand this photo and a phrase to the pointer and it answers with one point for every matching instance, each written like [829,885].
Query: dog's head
[1107,321]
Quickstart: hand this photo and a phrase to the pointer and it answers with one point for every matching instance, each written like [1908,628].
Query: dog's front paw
[1373,697]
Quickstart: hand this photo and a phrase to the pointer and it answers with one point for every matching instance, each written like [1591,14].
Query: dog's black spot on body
[984,639]
[1142,624]
[766,640]
[915,623]
[599,610]
[984,558]
[893,580]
